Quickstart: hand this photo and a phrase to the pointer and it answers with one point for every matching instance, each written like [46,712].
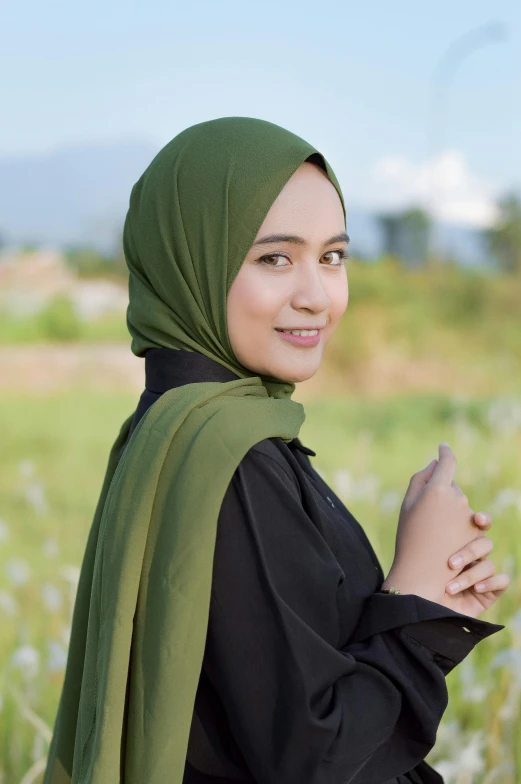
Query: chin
[295,377]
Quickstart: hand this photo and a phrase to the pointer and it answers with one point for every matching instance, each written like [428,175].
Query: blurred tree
[90,263]
[406,235]
[59,319]
[503,240]
[29,247]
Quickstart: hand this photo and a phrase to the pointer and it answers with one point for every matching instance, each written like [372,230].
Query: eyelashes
[343,256]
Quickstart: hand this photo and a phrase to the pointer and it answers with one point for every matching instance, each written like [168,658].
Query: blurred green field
[53,458]
[464,322]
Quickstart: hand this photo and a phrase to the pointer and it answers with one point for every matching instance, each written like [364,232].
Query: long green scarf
[142,605]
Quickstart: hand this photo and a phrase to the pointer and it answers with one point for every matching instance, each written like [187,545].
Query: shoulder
[269,462]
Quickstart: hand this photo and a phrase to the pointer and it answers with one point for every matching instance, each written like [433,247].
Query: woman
[229,624]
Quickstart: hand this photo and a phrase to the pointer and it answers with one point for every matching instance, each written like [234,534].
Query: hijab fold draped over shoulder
[142,605]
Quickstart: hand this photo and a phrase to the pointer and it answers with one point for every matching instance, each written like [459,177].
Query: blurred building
[30,280]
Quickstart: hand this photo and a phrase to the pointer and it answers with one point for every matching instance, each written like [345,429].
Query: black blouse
[310,675]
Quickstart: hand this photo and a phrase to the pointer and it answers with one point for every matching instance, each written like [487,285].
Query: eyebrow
[274,238]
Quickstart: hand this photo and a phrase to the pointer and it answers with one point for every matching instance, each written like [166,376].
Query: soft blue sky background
[352,78]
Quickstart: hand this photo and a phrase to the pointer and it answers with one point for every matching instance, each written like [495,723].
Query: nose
[309,292]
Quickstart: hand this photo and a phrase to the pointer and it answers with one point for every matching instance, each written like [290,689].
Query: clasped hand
[476,586]
[436,519]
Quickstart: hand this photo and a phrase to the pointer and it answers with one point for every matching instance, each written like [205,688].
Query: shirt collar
[166,368]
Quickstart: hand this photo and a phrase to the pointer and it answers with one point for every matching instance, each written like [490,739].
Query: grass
[52,463]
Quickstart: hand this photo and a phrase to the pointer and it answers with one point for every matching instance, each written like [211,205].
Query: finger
[481,571]
[498,582]
[456,486]
[417,483]
[446,467]
[472,551]
[472,514]
[483,520]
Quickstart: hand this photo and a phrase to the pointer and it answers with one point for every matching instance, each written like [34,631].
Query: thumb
[428,471]
[418,482]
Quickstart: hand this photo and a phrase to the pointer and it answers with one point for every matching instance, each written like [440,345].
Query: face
[291,283]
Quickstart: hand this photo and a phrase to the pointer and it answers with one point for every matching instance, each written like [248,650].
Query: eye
[264,259]
[342,254]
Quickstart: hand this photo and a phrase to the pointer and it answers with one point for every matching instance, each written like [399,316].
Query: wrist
[393,580]
[410,586]
[392,586]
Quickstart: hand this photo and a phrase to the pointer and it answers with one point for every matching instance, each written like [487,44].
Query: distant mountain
[79,195]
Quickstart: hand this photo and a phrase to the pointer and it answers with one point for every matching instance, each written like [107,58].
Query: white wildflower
[27,659]
[26,468]
[504,415]
[18,571]
[5,533]
[470,757]
[56,656]
[8,603]
[505,498]
[50,548]
[515,622]
[450,739]
[448,770]
[467,672]
[502,772]
[492,467]
[39,747]
[391,501]
[509,710]
[51,596]
[70,573]
[65,634]
[475,693]
[342,482]
[509,565]
[34,494]
[366,488]
[465,433]
[509,658]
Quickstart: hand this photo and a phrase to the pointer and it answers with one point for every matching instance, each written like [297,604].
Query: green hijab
[141,612]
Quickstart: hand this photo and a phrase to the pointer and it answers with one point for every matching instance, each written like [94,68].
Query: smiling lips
[301,340]
[287,329]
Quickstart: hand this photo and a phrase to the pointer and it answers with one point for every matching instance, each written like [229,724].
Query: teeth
[301,331]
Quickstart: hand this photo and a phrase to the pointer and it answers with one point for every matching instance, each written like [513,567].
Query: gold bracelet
[389,590]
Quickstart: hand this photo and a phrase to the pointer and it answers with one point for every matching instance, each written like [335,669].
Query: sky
[356,80]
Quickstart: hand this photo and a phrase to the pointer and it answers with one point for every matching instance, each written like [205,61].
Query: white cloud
[443,184]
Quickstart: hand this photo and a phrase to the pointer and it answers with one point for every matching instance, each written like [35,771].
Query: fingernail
[482,516]
[480,586]
[430,464]
[453,587]
[457,560]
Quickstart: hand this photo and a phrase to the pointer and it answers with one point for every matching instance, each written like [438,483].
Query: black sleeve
[448,635]
[300,708]
[448,640]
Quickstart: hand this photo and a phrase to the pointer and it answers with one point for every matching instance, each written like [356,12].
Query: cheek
[253,300]
[339,296]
